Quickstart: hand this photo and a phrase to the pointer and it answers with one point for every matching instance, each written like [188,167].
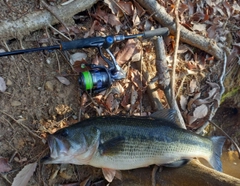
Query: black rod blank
[16,52]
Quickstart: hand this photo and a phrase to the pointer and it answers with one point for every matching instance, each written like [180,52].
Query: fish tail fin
[215,159]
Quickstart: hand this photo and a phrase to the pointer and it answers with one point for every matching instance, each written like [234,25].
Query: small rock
[49,60]
[3,86]
[74,117]
[9,82]
[49,86]
[15,103]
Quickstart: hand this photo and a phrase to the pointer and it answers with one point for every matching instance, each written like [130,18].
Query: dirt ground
[35,103]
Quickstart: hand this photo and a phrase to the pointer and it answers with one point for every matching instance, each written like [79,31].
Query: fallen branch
[191,38]
[40,19]
[151,88]
[194,173]
[164,78]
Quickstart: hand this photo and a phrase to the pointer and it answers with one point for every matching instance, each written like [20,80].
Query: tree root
[194,173]
[191,38]
[40,19]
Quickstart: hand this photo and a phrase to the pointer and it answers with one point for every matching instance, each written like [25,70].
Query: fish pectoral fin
[177,163]
[112,146]
[109,174]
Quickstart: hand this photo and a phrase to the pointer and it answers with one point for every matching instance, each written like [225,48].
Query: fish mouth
[57,146]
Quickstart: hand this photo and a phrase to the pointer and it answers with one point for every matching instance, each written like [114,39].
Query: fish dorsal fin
[112,146]
[109,174]
[168,114]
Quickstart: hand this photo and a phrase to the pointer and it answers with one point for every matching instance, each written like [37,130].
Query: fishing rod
[99,77]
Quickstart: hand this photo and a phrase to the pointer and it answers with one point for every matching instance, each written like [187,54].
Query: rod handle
[83,43]
[156,32]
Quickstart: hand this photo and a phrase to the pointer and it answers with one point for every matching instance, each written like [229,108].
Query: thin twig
[54,14]
[233,142]
[59,66]
[222,76]
[177,37]
[222,89]
[24,126]
[56,30]
[154,171]
[48,35]
[8,49]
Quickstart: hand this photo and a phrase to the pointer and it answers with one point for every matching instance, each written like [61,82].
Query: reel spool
[95,80]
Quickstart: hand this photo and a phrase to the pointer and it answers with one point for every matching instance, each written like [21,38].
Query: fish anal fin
[177,163]
[109,174]
[112,146]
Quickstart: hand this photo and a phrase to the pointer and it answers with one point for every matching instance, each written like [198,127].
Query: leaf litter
[24,175]
[4,165]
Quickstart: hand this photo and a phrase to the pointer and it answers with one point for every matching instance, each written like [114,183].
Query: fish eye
[64,133]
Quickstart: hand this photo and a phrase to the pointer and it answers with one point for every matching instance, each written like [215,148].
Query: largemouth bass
[122,143]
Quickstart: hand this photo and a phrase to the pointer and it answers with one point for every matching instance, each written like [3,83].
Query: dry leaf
[199,27]
[191,104]
[228,8]
[95,26]
[193,85]
[183,102]
[147,25]
[191,119]
[134,96]
[2,50]
[200,111]
[24,175]
[112,103]
[126,98]
[140,10]
[112,5]
[137,79]
[113,20]
[117,88]
[4,166]
[126,53]
[78,56]
[126,7]
[135,19]
[99,110]
[101,15]
[236,6]
[3,86]
[63,80]
[98,60]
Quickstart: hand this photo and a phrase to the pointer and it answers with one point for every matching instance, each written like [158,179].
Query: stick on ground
[191,38]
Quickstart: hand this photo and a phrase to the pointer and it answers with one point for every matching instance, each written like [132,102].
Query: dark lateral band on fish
[122,143]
